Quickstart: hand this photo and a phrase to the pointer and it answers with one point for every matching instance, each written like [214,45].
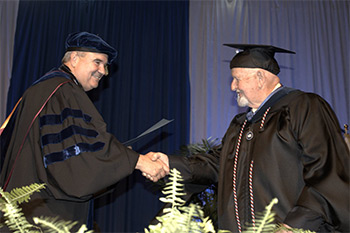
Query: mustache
[97,74]
[238,94]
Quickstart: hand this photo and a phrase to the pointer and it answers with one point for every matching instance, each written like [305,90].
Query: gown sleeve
[198,171]
[323,204]
[79,156]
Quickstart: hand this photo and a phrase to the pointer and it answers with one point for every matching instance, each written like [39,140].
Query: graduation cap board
[257,56]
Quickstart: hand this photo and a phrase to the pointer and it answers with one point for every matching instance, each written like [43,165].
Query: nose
[106,69]
[234,85]
[103,69]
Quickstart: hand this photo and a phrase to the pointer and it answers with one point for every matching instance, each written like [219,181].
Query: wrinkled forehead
[240,71]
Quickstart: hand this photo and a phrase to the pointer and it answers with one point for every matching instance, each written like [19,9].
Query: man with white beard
[288,145]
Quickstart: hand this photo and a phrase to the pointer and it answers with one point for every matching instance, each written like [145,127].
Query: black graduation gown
[295,153]
[67,147]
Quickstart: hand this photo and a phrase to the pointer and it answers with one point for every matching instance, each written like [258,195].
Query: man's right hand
[163,157]
[152,165]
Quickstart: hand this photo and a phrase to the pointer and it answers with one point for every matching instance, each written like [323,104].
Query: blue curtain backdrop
[149,81]
[152,67]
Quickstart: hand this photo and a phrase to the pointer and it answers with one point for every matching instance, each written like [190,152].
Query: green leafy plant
[179,218]
[208,198]
[191,218]
[9,202]
[264,221]
[16,221]
[58,226]
[199,148]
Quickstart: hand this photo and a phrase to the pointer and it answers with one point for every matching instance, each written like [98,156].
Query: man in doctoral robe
[56,136]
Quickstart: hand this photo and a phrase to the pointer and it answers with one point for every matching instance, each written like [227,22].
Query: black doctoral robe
[66,147]
[292,149]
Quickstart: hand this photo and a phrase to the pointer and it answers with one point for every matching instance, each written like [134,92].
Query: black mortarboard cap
[257,56]
[88,42]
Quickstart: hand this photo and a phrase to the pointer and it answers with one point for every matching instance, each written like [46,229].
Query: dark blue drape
[149,81]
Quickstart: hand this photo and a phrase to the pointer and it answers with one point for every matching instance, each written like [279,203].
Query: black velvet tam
[257,56]
[88,42]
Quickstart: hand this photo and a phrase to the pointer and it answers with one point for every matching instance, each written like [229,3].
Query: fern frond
[188,214]
[264,221]
[179,218]
[223,231]
[15,220]
[173,190]
[60,226]
[83,229]
[193,218]
[19,195]
[208,225]
[54,225]
[294,230]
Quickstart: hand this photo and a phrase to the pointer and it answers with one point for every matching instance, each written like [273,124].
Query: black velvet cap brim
[88,42]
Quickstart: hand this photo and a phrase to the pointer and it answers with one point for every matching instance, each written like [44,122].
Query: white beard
[242,100]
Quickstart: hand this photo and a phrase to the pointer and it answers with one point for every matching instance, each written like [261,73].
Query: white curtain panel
[8,16]
[317,30]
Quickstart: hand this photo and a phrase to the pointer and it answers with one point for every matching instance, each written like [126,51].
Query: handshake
[153,165]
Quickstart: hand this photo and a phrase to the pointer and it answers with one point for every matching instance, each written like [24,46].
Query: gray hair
[66,57]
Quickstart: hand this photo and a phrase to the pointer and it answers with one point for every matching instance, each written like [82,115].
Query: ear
[261,78]
[74,58]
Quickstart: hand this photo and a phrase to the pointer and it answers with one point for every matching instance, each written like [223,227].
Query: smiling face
[247,85]
[88,68]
